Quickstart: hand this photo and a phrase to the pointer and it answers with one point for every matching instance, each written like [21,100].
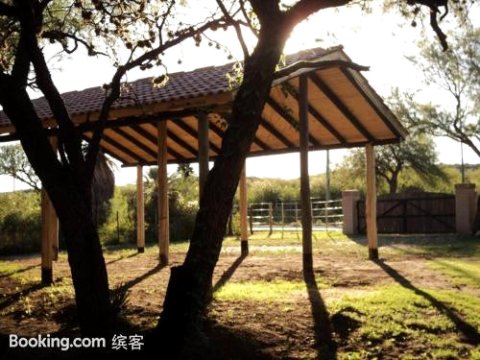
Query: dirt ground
[285,329]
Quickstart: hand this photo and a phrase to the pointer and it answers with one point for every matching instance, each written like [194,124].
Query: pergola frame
[320,101]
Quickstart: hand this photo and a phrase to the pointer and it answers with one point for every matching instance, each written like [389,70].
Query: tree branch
[68,136]
[304,8]
[114,86]
[7,10]
[237,28]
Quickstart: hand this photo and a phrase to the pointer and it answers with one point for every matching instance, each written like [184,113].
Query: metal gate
[425,213]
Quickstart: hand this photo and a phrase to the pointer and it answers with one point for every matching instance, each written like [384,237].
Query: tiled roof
[182,85]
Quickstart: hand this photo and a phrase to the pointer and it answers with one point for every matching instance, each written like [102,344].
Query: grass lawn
[420,301]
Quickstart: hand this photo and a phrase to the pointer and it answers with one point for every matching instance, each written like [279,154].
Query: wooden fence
[412,213]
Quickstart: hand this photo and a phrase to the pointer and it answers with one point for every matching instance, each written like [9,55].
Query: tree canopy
[456,74]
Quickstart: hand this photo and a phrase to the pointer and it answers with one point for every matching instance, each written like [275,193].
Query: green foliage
[394,316]
[122,207]
[20,222]
[13,162]
[455,73]
[416,153]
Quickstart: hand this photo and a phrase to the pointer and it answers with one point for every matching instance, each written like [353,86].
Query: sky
[381,41]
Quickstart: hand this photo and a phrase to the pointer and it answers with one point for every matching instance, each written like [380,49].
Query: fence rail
[284,215]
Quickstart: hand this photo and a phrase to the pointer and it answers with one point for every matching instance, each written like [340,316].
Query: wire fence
[288,215]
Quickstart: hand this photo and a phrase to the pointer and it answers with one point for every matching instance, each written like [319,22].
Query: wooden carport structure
[319,100]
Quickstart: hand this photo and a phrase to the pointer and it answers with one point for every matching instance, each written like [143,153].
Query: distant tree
[457,73]
[14,163]
[417,152]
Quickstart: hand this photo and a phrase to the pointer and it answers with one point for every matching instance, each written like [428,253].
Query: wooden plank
[135,142]
[140,211]
[371,204]
[243,211]
[150,137]
[203,149]
[185,127]
[270,128]
[122,148]
[304,177]
[341,106]
[162,185]
[289,118]
[317,116]
[371,102]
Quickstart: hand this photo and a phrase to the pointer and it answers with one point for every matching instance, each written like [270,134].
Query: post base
[47,276]
[141,249]
[373,254]
[163,260]
[244,247]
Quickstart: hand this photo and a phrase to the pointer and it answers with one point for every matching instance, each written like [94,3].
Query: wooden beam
[135,142]
[140,211]
[323,87]
[289,118]
[182,143]
[190,131]
[371,204]
[162,185]
[371,102]
[152,139]
[304,177]
[243,212]
[122,148]
[272,130]
[317,116]
[203,149]
[216,129]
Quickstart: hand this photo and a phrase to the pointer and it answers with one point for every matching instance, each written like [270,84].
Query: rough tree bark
[189,288]
[74,211]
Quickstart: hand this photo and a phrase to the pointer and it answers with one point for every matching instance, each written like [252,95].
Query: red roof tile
[182,85]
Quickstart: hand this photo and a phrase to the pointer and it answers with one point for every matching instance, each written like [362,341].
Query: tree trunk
[189,288]
[393,183]
[71,200]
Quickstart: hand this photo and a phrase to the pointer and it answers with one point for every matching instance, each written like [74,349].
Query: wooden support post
[250,220]
[371,204]
[140,211]
[162,184]
[46,249]
[243,212]
[203,149]
[50,243]
[283,217]
[270,218]
[304,177]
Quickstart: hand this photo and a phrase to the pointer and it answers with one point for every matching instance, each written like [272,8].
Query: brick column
[350,215]
[465,208]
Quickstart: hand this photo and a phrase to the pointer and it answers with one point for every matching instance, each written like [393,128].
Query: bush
[20,222]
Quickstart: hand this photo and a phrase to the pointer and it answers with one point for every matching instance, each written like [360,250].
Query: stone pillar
[465,207]
[350,214]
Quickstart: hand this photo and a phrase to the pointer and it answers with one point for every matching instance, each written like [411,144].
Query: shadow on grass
[18,271]
[227,275]
[469,332]
[121,258]
[131,283]
[10,299]
[324,343]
